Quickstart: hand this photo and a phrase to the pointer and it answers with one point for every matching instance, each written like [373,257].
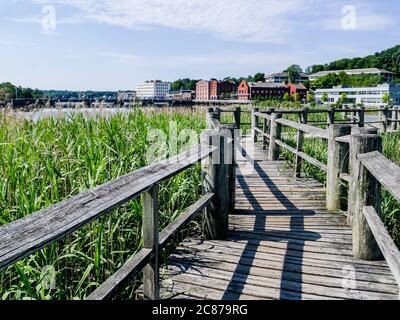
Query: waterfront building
[153,89]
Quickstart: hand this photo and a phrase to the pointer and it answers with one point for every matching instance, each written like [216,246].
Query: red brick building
[261,90]
[297,88]
[215,90]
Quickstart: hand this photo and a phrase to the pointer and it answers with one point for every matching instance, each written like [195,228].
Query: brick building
[203,90]
[297,88]
[261,90]
[215,90]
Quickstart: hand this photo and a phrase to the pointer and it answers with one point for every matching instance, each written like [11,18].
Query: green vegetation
[9,91]
[343,79]
[45,162]
[184,84]
[388,59]
[293,72]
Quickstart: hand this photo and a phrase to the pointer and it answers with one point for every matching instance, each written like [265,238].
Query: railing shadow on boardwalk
[291,279]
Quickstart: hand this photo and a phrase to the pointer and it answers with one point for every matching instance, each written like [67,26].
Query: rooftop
[285,74]
[355,71]
[265,85]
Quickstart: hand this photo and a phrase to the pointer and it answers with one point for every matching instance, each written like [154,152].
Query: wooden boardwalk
[283,244]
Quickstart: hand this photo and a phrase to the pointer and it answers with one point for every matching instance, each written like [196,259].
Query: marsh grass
[50,160]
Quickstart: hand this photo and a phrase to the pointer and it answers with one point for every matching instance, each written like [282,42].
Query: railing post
[254,124]
[397,118]
[300,141]
[151,289]
[231,132]
[265,131]
[216,180]
[393,118]
[217,113]
[238,114]
[361,116]
[338,162]
[384,118]
[331,115]
[209,117]
[275,134]
[365,191]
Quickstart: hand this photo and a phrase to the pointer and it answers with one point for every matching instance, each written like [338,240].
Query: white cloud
[246,20]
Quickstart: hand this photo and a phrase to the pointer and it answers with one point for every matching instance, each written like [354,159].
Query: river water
[88,112]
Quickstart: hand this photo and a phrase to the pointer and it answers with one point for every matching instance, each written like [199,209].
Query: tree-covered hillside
[387,59]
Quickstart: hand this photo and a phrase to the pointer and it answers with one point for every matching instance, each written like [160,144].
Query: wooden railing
[356,171]
[32,233]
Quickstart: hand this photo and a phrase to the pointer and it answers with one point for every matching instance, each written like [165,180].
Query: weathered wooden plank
[385,242]
[25,236]
[364,191]
[138,261]
[330,278]
[384,170]
[303,155]
[314,131]
[129,269]
[150,218]
[184,218]
[278,251]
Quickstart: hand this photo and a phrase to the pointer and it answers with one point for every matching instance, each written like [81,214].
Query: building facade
[153,89]
[182,95]
[215,90]
[261,90]
[284,77]
[126,95]
[297,88]
[371,96]
[387,75]
[203,90]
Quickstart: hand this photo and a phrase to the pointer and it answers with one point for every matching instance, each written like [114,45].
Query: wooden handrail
[314,131]
[384,170]
[386,244]
[136,263]
[23,237]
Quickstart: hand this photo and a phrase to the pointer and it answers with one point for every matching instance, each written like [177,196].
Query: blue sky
[114,44]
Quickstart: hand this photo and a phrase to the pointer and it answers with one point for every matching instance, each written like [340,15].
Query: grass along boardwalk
[269,233]
[282,244]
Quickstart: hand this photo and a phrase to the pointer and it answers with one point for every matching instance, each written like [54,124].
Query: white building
[153,89]
[371,96]
[126,95]
[284,77]
[388,76]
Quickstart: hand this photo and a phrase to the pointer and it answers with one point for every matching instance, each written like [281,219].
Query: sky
[115,44]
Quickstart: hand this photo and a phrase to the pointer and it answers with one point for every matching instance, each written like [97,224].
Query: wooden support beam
[238,115]
[276,130]
[216,180]
[365,190]
[303,118]
[254,124]
[338,163]
[361,116]
[151,287]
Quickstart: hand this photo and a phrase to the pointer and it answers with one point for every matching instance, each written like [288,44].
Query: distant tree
[324,97]
[310,97]
[259,77]
[294,72]
[386,98]
[342,99]
[177,85]
[286,97]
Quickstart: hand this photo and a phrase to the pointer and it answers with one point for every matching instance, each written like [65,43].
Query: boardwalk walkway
[283,244]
